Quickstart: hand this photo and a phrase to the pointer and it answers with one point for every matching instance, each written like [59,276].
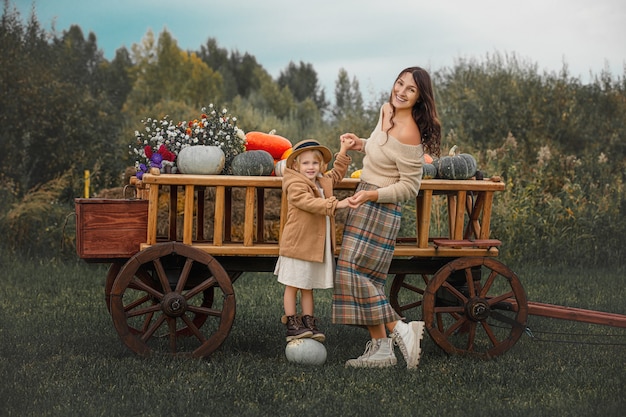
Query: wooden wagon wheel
[159,293]
[198,317]
[475,306]
[407,292]
[114,269]
[409,283]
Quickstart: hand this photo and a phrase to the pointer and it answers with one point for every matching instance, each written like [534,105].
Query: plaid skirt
[369,239]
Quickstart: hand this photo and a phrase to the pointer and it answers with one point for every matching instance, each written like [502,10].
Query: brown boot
[295,328]
[310,323]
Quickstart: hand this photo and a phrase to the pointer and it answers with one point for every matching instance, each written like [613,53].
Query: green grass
[60,356]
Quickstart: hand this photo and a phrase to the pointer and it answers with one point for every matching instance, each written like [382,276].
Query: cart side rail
[469,204]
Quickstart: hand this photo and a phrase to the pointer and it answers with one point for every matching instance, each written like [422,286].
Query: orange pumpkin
[274,144]
[286,153]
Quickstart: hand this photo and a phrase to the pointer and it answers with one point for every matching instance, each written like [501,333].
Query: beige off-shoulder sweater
[393,166]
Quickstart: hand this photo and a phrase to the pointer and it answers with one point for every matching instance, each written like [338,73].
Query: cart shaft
[576,314]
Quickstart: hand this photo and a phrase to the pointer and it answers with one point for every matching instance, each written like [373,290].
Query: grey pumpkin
[253,163]
[455,166]
[429,171]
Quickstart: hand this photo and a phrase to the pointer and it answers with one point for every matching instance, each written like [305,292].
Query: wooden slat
[459,215]
[153,207]
[486,220]
[218,221]
[260,214]
[173,211]
[248,227]
[200,214]
[188,215]
[228,214]
[467,243]
[424,209]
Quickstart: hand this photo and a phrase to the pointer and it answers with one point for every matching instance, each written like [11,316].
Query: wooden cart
[171,290]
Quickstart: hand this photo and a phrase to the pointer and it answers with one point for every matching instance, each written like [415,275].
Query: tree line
[64,109]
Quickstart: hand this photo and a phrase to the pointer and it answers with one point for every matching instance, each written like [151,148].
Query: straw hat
[308,145]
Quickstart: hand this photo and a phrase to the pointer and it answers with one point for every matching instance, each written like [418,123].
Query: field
[60,356]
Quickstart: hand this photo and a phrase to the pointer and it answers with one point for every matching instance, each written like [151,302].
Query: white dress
[305,274]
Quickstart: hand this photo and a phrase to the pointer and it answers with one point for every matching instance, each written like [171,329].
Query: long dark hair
[424,111]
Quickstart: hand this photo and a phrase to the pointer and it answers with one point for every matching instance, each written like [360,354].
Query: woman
[391,174]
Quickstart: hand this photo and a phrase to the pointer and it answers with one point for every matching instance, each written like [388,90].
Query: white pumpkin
[306,352]
[201,159]
[279,168]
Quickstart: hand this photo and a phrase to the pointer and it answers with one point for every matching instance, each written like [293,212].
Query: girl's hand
[346,145]
[345,203]
[351,141]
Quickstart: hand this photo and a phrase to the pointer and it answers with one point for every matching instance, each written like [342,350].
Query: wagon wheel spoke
[134,312]
[206,311]
[496,300]
[160,271]
[146,323]
[152,328]
[489,332]
[454,327]
[184,275]
[211,282]
[470,283]
[192,327]
[454,292]
[190,279]
[407,292]
[171,324]
[464,300]
[142,286]
[450,310]
[488,283]
[471,336]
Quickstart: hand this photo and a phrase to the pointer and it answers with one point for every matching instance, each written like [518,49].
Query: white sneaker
[378,354]
[408,338]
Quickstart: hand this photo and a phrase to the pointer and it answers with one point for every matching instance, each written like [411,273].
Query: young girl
[306,255]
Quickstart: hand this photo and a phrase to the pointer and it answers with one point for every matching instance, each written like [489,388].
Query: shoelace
[397,340]
[368,350]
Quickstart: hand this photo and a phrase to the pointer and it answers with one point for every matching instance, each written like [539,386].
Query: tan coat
[304,234]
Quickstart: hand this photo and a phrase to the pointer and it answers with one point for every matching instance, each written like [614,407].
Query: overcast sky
[371,39]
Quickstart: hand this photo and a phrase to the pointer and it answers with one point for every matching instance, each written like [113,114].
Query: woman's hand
[363,196]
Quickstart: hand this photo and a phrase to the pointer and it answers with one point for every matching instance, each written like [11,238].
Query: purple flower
[155,160]
[142,169]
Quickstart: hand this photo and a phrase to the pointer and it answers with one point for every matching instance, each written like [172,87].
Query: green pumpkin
[253,163]
[429,171]
[456,166]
